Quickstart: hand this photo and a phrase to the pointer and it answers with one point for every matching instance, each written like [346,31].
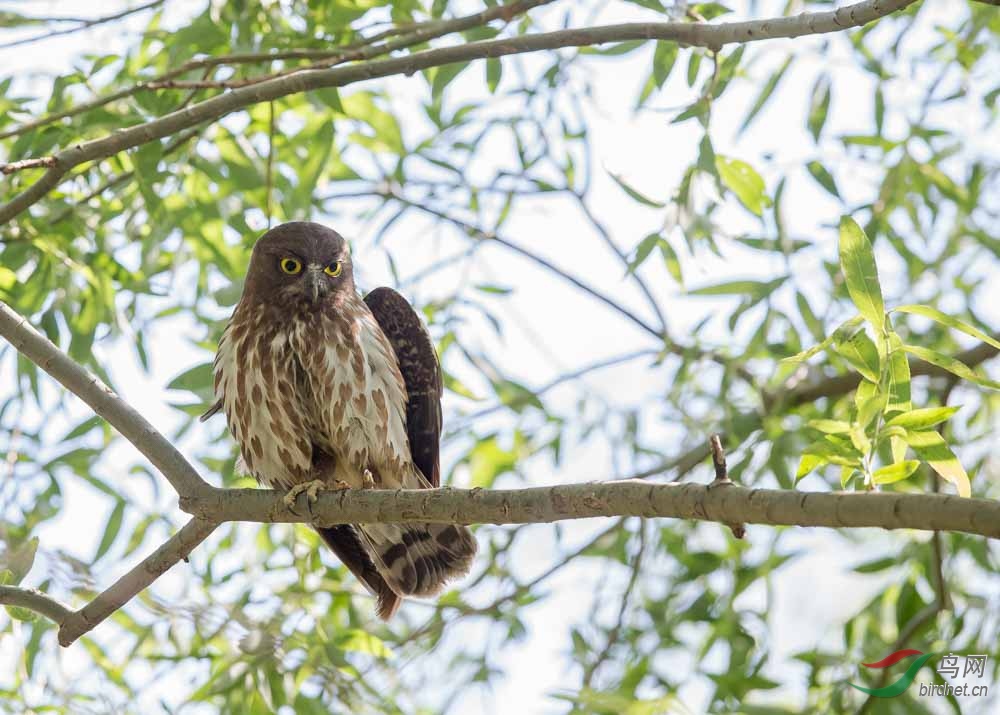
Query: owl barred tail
[419,559]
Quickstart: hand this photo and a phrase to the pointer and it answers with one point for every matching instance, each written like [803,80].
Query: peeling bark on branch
[731,504]
[712,36]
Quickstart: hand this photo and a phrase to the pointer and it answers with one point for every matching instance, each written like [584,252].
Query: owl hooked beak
[316,285]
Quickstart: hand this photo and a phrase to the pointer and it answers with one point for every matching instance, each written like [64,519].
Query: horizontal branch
[702,35]
[723,503]
[122,416]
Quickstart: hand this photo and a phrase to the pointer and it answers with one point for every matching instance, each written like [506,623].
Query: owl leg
[312,490]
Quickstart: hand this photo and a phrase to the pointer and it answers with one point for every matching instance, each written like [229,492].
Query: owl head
[299,263]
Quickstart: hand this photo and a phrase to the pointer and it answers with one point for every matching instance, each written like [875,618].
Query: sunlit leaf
[857,261]
[952,365]
[895,472]
[932,448]
[944,319]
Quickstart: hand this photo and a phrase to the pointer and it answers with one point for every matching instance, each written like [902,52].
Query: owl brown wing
[418,362]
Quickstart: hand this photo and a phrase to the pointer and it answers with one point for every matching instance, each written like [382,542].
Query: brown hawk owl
[324,389]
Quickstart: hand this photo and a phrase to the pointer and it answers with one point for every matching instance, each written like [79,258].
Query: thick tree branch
[731,504]
[711,36]
[122,416]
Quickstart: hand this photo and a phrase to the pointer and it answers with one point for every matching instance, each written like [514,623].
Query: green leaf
[361,641]
[931,448]
[18,560]
[443,76]
[807,463]
[843,332]
[952,365]
[877,565]
[672,261]
[755,290]
[857,261]
[860,351]
[870,402]
[196,379]
[922,418]
[21,614]
[895,472]
[899,377]
[740,178]
[819,106]
[642,251]
[664,57]
[636,196]
[937,315]
[494,72]
[823,177]
[830,426]
[111,530]
[836,450]
[765,93]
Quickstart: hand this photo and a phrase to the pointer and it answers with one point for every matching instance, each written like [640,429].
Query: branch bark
[731,504]
[35,601]
[710,36]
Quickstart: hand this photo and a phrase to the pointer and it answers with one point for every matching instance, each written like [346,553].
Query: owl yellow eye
[334,269]
[290,266]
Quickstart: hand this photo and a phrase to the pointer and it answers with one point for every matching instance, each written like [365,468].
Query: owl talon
[310,488]
[367,480]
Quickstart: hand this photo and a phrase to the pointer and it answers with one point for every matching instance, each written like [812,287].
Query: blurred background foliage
[595,322]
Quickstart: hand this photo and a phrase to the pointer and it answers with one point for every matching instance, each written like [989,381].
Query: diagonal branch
[73,624]
[702,35]
[174,549]
[122,416]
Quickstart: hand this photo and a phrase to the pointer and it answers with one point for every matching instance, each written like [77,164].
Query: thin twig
[483,235]
[361,50]
[42,162]
[84,24]
[722,478]
[567,377]
[591,670]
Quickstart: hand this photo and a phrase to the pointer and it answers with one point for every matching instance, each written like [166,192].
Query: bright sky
[566,330]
